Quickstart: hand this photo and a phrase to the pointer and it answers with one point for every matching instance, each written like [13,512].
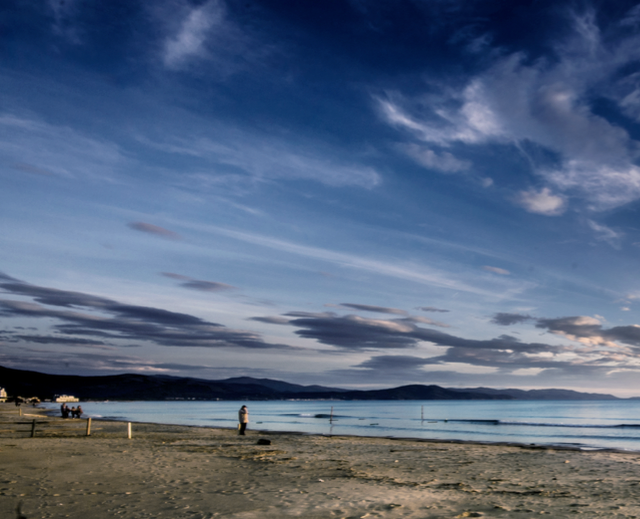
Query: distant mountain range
[162,387]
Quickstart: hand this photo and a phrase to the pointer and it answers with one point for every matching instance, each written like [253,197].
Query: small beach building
[66,398]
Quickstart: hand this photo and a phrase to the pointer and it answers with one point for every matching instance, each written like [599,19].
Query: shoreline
[534,446]
[202,473]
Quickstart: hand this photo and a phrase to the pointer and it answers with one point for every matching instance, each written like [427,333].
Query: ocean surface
[584,425]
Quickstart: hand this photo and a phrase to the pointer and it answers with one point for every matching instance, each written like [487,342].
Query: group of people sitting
[75,412]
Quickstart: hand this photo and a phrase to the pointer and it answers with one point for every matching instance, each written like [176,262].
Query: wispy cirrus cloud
[34,146]
[606,234]
[65,20]
[418,273]
[262,158]
[496,270]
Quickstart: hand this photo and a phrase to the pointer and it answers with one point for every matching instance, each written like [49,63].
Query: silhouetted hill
[412,392]
[283,387]
[165,387]
[542,394]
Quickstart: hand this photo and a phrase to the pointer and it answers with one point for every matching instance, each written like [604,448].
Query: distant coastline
[124,387]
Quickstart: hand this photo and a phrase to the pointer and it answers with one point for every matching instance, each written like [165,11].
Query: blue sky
[350,193]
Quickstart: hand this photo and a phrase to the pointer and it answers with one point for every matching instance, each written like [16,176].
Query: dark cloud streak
[506,319]
[154,229]
[590,329]
[84,314]
[377,309]
[432,309]
[357,333]
[198,284]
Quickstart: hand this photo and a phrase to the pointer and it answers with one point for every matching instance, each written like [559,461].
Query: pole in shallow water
[331,415]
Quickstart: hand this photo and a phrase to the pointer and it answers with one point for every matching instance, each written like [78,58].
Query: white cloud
[192,34]
[546,103]
[444,161]
[603,185]
[480,121]
[527,372]
[541,202]
[473,123]
[205,35]
[584,320]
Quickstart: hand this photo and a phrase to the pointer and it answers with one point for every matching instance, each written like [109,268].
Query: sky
[352,193]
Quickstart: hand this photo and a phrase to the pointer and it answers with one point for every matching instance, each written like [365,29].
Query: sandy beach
[178,471]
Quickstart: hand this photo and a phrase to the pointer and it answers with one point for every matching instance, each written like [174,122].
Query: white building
[66,398]
[3,395]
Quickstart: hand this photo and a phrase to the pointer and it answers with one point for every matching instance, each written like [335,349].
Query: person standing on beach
[243,418]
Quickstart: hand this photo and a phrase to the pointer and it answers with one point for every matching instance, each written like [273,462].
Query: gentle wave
[584,425]
[327,416]
[535,424]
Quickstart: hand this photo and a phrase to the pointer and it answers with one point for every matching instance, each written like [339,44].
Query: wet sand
[194,472]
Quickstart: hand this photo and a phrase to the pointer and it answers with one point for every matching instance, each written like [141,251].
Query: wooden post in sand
[89,426]
[20,410]
[33,428]
[129,430]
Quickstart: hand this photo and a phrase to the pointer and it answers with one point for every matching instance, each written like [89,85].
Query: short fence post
[88,426]
[20,410]
[33,428]
[129,430]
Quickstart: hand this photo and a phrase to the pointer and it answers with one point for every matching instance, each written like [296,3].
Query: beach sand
[193,472]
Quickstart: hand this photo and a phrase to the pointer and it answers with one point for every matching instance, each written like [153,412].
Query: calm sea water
[582,424]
